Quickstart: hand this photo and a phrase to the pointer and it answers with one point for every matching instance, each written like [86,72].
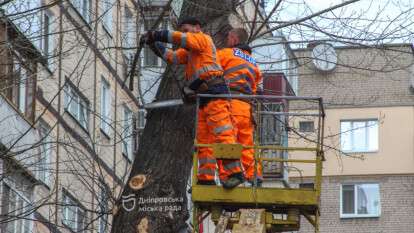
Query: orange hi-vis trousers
[215,126]
[244,129]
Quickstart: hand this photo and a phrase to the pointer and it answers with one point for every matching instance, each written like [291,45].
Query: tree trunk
[164,158]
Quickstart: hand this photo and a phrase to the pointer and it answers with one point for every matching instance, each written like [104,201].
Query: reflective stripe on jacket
[241,72]
[197,51]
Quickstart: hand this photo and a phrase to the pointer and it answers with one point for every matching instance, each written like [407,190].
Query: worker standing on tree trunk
[243,76]
[205,74]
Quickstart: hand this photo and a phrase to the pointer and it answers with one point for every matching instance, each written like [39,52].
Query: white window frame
[23,79]
[127,133]
[74,101]
[107,18]
[305,122]
[22,86]
[83,8]
[105,106]
[129,30]
[355,214]
[67,202]
[30,217]
[352,130]
[47,42]
[44,164]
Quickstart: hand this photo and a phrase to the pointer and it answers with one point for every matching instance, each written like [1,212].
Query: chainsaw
[164,104]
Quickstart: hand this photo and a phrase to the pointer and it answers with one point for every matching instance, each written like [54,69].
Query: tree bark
[164,157]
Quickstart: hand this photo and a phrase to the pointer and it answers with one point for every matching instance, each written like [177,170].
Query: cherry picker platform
[267,208]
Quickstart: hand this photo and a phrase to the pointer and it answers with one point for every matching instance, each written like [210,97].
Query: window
[76,104]
[22,87]
[18,85]
[103,207]
[107,15]
[150,59]
[359,136]
[83,8]
[47,39]
[17,209]
[360,200]
[129,39]
[105,107]
[141,119]
[271,127]
[129,31]
[307,185]
[73,216]
[127,136]
[306,126]
[27,20]
[43,165]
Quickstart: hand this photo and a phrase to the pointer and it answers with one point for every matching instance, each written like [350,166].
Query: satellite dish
[324,57]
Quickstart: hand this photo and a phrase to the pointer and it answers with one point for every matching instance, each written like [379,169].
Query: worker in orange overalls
[205,74]
[243,77]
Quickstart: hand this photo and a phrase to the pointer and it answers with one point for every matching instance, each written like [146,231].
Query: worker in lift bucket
[243,77]
[205,75]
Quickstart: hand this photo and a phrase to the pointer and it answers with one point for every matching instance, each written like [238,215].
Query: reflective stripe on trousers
[244,130]
[215,115]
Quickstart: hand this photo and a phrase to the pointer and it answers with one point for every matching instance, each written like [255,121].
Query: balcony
[16,131]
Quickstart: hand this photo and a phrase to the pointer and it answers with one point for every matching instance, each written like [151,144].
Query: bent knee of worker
[220,124]
[205,152]
[247,155]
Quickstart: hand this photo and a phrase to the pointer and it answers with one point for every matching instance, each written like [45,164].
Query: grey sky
[366,20]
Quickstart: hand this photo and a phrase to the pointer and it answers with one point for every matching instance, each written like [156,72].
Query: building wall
[397,204]
[395,154]
[80,158]
[368,83]
[362,77]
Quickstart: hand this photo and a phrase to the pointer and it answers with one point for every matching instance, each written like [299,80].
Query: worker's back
[240,71]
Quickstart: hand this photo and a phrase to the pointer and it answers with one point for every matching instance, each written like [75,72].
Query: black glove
[189,96]
[142,40]
[147,38]
[196,84]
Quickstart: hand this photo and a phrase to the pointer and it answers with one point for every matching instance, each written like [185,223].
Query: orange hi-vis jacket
[241,71]
[242,75]
[197,51]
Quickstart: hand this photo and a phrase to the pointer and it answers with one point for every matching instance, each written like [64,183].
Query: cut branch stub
[137,182]
[142,227]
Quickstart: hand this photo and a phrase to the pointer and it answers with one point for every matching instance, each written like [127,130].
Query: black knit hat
[189,20]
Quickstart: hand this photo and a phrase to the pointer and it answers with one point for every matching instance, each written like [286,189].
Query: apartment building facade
[369,168]
[68,118]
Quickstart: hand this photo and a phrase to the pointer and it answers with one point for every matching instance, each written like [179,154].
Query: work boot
[233,181]
[206,182]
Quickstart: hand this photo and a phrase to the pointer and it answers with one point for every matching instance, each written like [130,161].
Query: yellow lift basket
[284,206]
